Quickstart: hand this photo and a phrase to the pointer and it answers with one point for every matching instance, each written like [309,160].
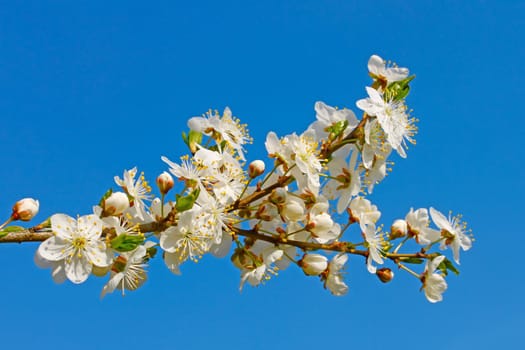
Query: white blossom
[77,244]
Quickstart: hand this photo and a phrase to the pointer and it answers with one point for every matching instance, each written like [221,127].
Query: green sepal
[398,90]
[184,203]
[104,197]
[337,129]
[4,232]
[412,260]
[126,243]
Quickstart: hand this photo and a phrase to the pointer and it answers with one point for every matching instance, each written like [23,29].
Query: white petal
[376,65]
[78,269]
[63,225]
[97,254]
[172,262]
[54,249]
[439,219]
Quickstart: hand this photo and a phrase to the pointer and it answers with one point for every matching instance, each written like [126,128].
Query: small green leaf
[126,243]
[10,229]
[151,252]
[449,266]
[184,203]
[413,260]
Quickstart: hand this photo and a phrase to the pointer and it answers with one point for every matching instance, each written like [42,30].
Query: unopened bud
[241,259]
[384,274]
[116,203]
[313,264]
[278,196]
[165,182]
[255,168]
[293,211]
[25,209]
[398,229]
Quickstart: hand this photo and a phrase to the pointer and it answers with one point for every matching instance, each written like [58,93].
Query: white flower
[373,241]
[328,116]
[321,225]
[138,189]
[379,70]
[227,129]
[375,145]
[128,271]
[453,230]
[392,117]
[77,244]
[433,284]
[364,212]
[265,255]
[305,151]
[189,172]
[184,241]
[418,226]
[25,209]
[333,280]
[346,179]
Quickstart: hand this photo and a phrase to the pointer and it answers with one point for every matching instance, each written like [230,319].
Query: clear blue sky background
[88,89]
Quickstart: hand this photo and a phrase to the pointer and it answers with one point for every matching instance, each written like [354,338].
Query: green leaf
[151,252]
[412,260]
[126,243]
[184,203]
[10,229]
[449,266]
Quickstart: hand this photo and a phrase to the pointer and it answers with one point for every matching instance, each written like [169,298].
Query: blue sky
[89,89]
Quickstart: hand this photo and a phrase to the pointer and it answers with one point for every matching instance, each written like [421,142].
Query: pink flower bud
[116,203]
[165,182]
[256,168]
[313,264]
[25,209]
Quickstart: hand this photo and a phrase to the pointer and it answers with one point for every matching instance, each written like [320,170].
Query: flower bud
[256,168]
[116,203]
[399,229]
[242,259]
[293,211]
[320,224]
[384,274]
[25,209]
[165,182]
[313,264]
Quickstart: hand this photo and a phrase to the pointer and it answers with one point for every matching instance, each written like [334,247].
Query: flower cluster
[310,210]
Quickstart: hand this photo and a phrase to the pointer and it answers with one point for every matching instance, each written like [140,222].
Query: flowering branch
[291,216]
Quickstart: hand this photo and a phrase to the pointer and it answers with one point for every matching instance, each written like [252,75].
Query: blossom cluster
[309,210]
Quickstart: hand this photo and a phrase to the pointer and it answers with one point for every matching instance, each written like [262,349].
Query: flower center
[79,243]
